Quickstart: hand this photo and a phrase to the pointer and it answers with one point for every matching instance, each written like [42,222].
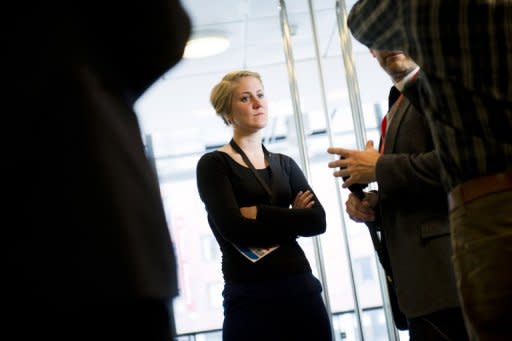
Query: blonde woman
[258,204]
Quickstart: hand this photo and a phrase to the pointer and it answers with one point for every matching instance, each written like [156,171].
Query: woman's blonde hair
[221,96]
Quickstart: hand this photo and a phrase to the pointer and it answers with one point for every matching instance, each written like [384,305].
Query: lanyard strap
[248,162]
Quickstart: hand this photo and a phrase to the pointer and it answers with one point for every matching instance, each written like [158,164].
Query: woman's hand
[303,200]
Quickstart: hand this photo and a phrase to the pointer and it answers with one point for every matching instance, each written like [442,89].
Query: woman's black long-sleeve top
[224,186]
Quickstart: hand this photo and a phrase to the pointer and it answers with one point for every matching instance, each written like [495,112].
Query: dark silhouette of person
[88,251]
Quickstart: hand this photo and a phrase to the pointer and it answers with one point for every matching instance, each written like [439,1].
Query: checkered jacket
[465,49]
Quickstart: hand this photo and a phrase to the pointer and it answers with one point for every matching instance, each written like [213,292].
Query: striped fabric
[465,49]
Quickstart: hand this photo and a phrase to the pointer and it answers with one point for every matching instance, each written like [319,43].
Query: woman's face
[249,108]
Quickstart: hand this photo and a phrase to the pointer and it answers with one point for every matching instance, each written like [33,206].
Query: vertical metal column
[299,125]
[359,129]
[357,308]
[350,74]
[294,91]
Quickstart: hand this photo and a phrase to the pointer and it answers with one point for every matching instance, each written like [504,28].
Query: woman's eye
[261,95]
[244,99]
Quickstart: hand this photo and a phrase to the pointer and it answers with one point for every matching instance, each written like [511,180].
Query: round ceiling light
[204,45]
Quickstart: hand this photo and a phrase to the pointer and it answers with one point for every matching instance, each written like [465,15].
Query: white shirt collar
[401,84]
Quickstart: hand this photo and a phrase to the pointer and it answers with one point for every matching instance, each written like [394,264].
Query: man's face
[396,63]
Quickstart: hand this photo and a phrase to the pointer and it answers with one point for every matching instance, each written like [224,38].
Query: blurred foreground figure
[89,254]
[464,48]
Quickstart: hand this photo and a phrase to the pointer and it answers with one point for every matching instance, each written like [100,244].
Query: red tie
[384,123]
[383,126]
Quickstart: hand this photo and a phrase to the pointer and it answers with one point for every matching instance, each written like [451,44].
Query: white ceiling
[253,27]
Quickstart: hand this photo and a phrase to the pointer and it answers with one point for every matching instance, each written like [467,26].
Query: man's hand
[362,211]
[249,212]
[358,166]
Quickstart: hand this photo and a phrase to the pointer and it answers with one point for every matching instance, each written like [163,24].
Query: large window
[177,118]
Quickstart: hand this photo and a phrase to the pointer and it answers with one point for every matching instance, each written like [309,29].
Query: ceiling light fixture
[205,44]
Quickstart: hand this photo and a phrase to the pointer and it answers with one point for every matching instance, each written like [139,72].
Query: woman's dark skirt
[276,310]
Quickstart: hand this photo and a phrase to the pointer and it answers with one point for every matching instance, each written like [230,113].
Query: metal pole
[299,126]
[294,91]
[350,74]
[357,307]
[359,130]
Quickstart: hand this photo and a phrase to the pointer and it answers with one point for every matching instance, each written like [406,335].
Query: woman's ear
[227,119]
